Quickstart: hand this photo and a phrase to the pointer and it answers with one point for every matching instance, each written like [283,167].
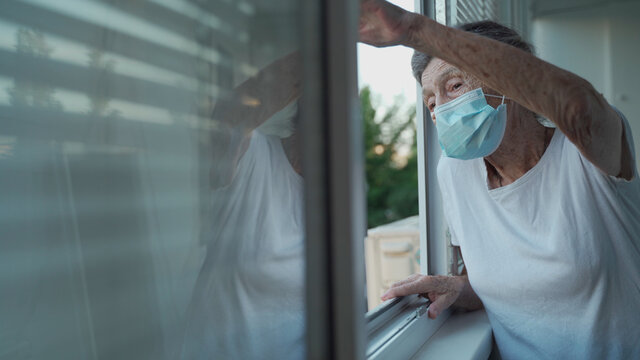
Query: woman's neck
[525,141]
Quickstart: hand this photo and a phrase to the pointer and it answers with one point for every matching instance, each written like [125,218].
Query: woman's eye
[457,86]
[429,103]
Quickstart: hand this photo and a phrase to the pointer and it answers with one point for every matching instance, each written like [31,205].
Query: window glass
[151,183]
[388,100]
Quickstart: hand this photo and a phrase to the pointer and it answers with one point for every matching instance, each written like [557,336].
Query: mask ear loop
[497,96]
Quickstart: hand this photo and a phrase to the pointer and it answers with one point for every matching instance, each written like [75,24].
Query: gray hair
[490,29]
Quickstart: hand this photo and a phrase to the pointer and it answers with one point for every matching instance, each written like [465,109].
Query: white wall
[601,43]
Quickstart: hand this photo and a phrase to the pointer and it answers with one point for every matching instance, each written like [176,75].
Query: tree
[392,178]
[32,43]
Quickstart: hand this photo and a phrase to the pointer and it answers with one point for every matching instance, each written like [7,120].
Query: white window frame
[429,195]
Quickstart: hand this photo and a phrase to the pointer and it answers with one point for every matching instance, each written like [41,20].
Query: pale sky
[387,71]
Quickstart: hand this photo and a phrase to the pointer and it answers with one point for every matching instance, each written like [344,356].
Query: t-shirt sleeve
[629,137]
[615,181]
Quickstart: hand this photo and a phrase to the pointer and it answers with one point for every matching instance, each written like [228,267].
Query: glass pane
[150,180]
[388,100]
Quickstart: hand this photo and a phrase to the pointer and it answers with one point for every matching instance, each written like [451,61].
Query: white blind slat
[475,10]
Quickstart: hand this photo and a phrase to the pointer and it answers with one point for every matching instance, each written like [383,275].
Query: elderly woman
[547,219]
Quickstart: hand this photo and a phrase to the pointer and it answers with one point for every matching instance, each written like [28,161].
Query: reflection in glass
[150,180]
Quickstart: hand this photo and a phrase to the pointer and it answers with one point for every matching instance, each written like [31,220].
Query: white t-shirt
[554,256]
[248,302]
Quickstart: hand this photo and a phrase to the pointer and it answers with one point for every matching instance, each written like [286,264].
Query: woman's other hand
[384,24]
[442,291]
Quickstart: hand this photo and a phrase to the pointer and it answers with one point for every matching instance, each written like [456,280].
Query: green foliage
[392,180]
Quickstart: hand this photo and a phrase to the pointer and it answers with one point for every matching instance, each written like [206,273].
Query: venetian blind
[464,11]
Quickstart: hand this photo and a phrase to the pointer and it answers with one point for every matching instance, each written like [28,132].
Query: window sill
[400,329]
[462,336]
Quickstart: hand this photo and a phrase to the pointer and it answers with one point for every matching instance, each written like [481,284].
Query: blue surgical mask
[468,128]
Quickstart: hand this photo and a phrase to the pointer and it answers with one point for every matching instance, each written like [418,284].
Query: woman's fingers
[409,279]
[381,23]
[389,293]
[414,284]
[440,303]
[370,24]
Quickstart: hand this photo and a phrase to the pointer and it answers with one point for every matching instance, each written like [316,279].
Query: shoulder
[630,146]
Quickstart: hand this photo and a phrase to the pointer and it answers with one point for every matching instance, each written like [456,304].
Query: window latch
[421,310]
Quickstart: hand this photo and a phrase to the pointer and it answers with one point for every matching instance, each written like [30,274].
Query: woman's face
[443,82]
